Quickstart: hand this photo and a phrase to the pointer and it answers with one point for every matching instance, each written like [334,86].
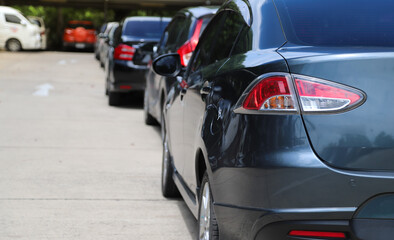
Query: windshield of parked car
[338,22]
[145,29]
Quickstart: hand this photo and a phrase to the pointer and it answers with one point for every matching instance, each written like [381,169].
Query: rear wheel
[168,187]
[13,45]
[207,224]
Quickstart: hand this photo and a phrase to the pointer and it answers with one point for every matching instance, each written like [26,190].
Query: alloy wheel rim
[205,213]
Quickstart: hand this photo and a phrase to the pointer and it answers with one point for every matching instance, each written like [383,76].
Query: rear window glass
[36,22]
[76,25]
[338,22]
[145,29]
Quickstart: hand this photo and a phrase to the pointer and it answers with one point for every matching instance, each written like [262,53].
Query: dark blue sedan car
[279,127]
[129,54]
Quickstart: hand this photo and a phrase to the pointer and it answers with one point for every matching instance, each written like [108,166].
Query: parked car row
[272,116]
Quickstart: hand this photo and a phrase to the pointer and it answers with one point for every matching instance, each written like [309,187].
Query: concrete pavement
[71,167]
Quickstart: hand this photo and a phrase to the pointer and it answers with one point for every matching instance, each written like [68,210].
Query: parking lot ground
[71,167]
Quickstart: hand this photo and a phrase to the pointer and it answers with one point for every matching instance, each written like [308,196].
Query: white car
[16,32]
[43,31]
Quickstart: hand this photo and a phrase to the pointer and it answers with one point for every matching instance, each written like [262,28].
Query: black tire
[168,187]
[13,45]
[114,98]
[96,54]
[148,118]
[106,71]
[207,226]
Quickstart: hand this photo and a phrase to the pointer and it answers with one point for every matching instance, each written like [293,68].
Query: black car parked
[103,39]
[130,53]
[108,41]
[280,127]
[181,36]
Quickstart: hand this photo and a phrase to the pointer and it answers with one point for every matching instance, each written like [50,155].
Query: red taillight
[124,52]
[317,95]
[275,92]
[125,87]
[314,234]
[186,50]
[271,93]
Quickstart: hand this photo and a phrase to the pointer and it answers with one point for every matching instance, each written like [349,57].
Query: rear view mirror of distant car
[168,65]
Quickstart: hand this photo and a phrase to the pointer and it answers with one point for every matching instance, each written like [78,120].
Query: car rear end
[132,53]
[317,136]
[79,35]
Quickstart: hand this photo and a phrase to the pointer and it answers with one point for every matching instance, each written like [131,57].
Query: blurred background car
[100,31]
[280,127]
[106,45]
[17,32]
[130,53]
[79,35]
[181,36]
[103,40]
[39,21]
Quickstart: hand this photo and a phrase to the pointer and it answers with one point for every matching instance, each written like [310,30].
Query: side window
[205,21]
[12,19]
[244,42]
[174,30]
[227,37]
[207,42]
[163,40]
[218,39]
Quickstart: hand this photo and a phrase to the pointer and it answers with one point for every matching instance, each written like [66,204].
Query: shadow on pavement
[190,221]
[133,100]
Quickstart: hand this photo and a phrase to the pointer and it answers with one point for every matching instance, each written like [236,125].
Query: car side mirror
[168,65]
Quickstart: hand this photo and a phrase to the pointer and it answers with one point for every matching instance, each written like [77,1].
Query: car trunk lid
[361,138]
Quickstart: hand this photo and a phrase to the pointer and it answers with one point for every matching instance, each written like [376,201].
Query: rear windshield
[338,22]
[84,25]
[145,29]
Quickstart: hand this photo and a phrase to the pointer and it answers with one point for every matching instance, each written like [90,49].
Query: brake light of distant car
[124,52]
[281,92]
[317,234]
[186,50]
[318,95]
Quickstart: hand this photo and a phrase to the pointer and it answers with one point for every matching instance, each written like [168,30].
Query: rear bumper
[277,183]
[79,45]
[262,224]
[127,77]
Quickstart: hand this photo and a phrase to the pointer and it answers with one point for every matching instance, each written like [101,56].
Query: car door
[212,52]
[14,26]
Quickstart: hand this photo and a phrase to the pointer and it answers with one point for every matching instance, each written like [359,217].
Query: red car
[79,34]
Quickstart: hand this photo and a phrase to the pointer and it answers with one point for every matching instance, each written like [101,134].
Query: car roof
[147,19]
[8,9]
[198,12]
